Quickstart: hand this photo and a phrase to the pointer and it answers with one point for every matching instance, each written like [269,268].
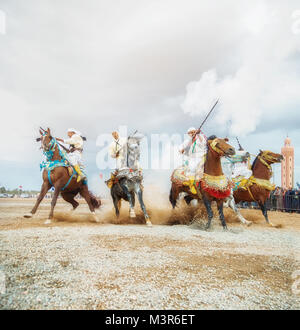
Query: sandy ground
[75,263]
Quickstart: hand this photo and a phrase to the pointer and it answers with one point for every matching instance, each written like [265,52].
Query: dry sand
[75,263]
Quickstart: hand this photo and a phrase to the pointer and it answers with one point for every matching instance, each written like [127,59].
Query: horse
[259,187]
[243,156]
[214,186]
[59,178]
[128,182]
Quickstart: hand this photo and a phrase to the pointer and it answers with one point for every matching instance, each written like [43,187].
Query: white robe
[194,155]
[241,168]
[119,146]
[75,157]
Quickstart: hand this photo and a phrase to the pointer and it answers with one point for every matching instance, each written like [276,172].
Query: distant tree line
[16,191]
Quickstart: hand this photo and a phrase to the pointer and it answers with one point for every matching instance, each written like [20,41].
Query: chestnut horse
[259,190]
[214,186]
[60,179]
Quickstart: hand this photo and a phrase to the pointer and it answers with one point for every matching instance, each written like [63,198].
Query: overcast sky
[153,65]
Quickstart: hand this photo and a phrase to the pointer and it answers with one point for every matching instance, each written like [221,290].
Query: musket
[241,148]
[211,110]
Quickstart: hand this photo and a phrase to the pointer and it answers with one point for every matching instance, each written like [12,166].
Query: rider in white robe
[194,151]
[118,150]
[75,155]
[240,165]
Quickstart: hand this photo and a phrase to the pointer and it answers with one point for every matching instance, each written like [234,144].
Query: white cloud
[99,64]
[263,86]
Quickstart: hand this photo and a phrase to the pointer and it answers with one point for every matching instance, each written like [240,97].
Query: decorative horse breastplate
[135,175]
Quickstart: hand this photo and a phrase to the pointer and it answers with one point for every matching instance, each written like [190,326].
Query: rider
[240,164]
[118,150]
[75,155]
[194,151]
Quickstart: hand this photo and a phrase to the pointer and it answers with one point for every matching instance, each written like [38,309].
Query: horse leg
[53,203]
[209,211]
[69,197]
[117,205]
[44,190]
[232,205]
[86,195]
[139,193]
[221,214]
[130,200]
[263,207]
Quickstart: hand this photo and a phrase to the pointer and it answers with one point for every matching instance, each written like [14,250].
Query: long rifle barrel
[212,109]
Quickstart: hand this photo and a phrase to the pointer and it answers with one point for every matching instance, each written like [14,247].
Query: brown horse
[60,179]
[259,187]
[214,186]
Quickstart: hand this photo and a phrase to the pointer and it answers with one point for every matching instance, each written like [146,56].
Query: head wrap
[191,129]
[74,131]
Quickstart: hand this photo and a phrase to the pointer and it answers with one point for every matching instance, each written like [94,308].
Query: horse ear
[48,131]
[226,139]
[41,132]
[260,151]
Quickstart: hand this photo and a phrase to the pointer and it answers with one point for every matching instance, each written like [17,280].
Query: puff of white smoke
[238,105]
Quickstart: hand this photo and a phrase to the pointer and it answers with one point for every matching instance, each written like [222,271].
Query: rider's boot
[192,185]
[80,174]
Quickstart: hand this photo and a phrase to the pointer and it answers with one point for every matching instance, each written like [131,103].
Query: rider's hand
[117,154]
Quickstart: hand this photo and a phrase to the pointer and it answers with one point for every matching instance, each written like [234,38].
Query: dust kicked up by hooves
[159,209]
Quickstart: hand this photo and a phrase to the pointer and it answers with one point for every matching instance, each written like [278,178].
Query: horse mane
[255,161]
[212,137]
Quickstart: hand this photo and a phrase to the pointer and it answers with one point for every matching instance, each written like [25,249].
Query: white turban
[74,131]
[191,129]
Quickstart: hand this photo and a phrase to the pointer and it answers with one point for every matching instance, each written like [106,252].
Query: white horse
[233,167]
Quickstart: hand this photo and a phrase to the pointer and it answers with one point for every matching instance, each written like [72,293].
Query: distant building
[287,165]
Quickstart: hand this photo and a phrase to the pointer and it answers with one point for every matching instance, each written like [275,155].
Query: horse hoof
[95,217]
[225,229]
[47,222]
[28,215]
[249,223]
[132,214]
[149,223]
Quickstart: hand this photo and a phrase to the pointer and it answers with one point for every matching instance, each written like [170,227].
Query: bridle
[49,150]
[214,147]
[265,157]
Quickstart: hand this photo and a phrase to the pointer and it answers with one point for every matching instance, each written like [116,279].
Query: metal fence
[290,203]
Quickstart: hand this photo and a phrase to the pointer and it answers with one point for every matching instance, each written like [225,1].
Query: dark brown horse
[60,179]
[259,187]
[214,186]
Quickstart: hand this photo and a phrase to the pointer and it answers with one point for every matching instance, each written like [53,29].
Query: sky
[156,66]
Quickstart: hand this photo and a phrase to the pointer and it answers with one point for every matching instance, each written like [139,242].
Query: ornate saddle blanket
[52,164]
[242,183]
[179,175]
[217,186]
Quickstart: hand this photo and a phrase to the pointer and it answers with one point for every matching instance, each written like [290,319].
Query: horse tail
[96,202]
[172,200]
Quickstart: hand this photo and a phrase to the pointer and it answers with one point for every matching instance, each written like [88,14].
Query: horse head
[220,146]
[270,157]
[46,140]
